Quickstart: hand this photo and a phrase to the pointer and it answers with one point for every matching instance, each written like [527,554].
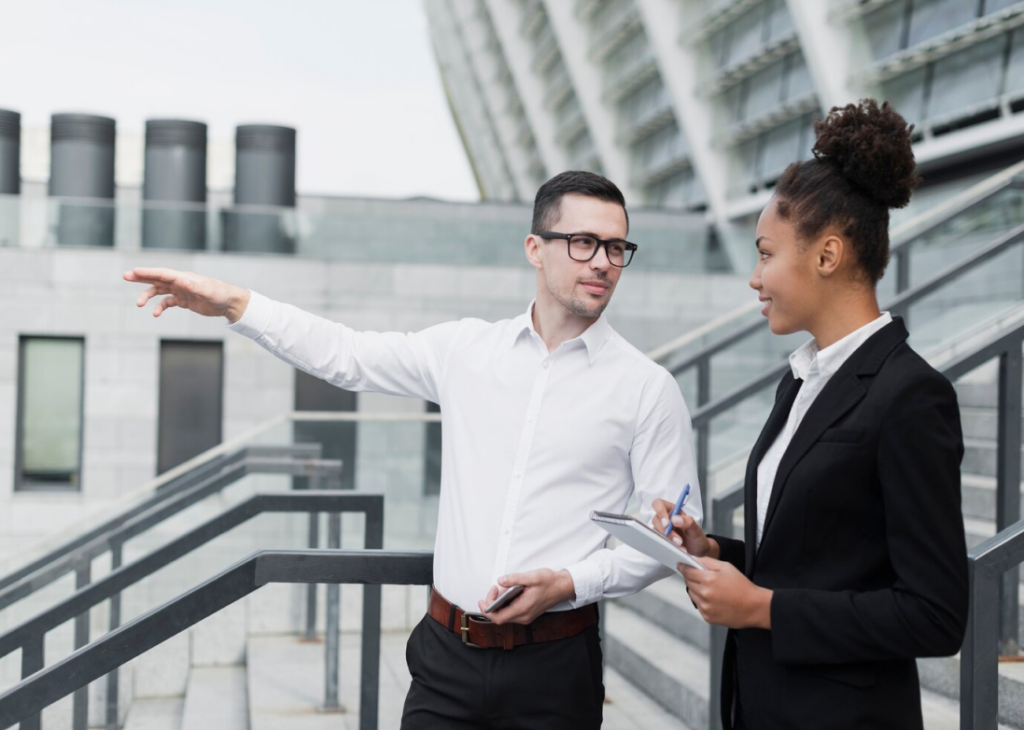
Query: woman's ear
[831,253]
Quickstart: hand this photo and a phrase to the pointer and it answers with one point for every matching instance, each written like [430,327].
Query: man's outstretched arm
[383,362]
[199,294]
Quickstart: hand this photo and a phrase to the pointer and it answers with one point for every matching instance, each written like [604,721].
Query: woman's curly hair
[863,165]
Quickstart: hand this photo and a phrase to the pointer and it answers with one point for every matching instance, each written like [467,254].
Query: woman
[854,560]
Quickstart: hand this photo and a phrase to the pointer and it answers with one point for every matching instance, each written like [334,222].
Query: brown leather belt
[476,631]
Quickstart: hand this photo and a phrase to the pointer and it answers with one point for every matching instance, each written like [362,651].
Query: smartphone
[504,598]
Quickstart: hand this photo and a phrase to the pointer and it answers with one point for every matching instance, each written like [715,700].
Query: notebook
[637,535]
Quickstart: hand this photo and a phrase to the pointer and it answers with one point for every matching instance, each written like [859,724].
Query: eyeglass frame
[554,235]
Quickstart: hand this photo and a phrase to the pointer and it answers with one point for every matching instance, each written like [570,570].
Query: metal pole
[113,689]
[902,269]
[369,684]
[80,702]
[721,523]
[331,628]
[314,543]
[703,381]
[703,438]
[979,661]
[31,662]
[1008,488]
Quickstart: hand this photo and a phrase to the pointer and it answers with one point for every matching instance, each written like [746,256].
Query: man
[545,417]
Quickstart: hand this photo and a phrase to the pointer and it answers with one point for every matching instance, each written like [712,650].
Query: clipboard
[637,535]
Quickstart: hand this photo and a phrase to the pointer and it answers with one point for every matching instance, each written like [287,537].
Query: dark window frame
[159,385]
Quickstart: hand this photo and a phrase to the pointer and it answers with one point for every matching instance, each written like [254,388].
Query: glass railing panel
[750,358]
[958,238]
[968,301]
[348,230]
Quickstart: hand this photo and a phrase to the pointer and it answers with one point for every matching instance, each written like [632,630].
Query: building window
[191,400]
[50,406]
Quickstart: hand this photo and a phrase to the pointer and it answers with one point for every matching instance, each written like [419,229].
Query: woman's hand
[726,597]
[685,531]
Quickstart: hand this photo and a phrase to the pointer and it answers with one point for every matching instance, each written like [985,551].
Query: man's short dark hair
[547,204]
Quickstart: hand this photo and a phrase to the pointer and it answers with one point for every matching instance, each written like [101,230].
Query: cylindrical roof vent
[264,176]
[82,166]
[10,152]
[175,172]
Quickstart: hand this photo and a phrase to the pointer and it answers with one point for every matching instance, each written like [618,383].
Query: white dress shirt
[532,441]
[815,367]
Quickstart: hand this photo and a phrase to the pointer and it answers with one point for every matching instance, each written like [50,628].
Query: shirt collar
[593,338]
[808,360]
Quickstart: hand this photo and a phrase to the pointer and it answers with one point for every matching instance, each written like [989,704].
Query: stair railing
[371,568]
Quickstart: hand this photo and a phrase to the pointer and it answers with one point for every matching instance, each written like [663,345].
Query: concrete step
[980,457]
[978,496]
[672,672]
[667,605]
[159,713]
[216,699]
[941,675]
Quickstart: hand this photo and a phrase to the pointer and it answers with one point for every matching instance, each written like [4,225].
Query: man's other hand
[199,294]
[543,589]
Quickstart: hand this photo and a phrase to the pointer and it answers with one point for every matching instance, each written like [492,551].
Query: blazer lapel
[776,420]
[840,394]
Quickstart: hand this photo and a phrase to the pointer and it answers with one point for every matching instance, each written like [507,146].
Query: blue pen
[675,510]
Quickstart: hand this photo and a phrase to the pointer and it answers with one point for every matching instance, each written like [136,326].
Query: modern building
[701,104]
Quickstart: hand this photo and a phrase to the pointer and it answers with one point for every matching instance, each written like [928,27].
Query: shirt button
[530,419]
[547,365]
[517,474]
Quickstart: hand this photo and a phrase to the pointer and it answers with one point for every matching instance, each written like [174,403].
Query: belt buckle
[464,627]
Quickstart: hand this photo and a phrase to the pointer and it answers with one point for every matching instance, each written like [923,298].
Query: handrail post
[979,661]
[313,544]
[32,661]
[1008,479]
[369,683]
[902,269]
[113,679]
[721,524]
[80,701]
[333,619]
[703,445]
[703,381]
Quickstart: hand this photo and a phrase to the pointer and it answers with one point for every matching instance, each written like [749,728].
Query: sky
[357,78]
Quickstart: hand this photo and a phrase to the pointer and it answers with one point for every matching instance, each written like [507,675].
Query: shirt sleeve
[382,362]
[662,459]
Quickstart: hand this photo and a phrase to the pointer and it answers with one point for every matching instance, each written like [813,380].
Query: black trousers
[555,685]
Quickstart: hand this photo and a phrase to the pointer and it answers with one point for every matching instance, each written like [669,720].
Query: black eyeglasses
[583,247]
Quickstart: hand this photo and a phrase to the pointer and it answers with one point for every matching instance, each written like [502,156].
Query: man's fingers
[151,292]
[517,579]
[165,303]
[153,276]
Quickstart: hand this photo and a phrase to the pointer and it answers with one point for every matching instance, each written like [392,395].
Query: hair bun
[870,146]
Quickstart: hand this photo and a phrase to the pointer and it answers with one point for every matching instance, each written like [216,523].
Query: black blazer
[863,545]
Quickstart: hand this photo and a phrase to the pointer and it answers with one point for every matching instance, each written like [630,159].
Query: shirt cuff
[588,582]
[256,317]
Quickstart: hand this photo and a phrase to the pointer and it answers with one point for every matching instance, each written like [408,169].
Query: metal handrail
[371,568]
[77,555]
[903,238]
[993,565]
[160,494]
[988,565]
[29,636]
